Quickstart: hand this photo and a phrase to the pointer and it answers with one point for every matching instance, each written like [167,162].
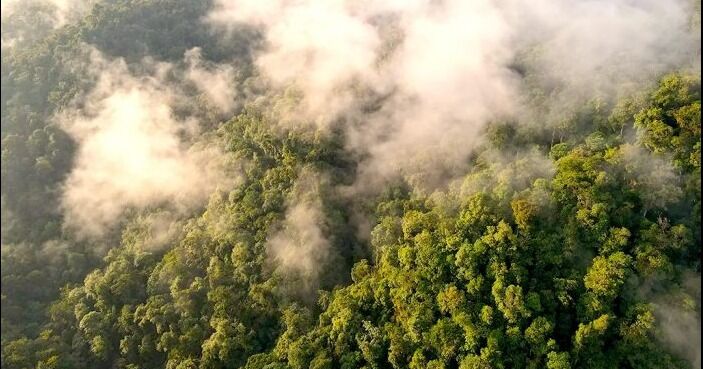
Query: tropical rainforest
[210,184]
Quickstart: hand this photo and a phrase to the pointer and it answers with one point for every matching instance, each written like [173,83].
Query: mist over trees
[317,184]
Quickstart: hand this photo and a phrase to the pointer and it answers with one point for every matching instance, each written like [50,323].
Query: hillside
[210,184]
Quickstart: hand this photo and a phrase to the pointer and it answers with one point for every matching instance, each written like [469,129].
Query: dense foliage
[549,257]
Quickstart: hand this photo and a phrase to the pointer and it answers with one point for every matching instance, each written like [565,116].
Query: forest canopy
[212,184]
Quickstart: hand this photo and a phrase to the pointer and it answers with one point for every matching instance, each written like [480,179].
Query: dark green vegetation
[513,268]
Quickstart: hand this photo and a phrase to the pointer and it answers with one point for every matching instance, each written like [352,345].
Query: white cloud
[131,151]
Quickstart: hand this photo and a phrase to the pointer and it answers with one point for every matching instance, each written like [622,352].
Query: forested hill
[210,184]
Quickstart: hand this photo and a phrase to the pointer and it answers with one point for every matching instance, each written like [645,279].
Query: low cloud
[679,320]
[133,151]
[216,81]
[300,248]
[415,82]
[653,176]
[26,21]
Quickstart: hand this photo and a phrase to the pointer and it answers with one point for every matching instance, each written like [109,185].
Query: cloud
[679,320]
[318,46]
[31,20]
[450,77]
[300,249]
[415,82]
[603,45]
[215,81]
[507,173]
[133,151]
[154,231]
[653,176]
[300,246]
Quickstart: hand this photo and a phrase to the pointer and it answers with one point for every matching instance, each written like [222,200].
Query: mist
[653,175]
[299,249]
[441,71]
[133,151]
[678,314]
[217,82]
[339,183]
[414,84]
[27,21]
